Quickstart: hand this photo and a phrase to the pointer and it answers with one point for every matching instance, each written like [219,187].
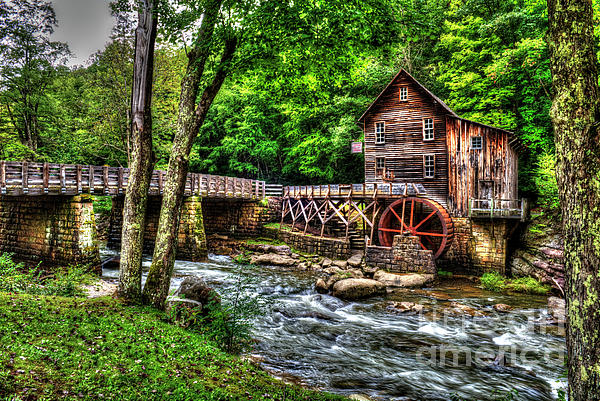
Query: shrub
[14,277]
[230,322]
[493,281]
[67,282]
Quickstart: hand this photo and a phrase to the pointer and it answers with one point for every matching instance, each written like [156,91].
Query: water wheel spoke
[392,230]
[432,234]
[425,219]
[399,218]
[428,220]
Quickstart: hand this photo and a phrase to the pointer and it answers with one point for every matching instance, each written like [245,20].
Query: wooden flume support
[384,209]
[24,178]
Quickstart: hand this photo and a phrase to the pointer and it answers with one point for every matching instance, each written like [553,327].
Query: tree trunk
[189,122]
[575,118]
[142,158]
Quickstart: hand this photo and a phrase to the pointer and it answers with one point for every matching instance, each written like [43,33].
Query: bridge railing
[364,190]
[24,178]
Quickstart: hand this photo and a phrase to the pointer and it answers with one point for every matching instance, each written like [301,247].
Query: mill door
[486,191]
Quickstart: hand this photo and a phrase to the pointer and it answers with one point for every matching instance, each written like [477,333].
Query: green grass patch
[444,274]
[494,281]
[75,348]
[528,285]
[15,277]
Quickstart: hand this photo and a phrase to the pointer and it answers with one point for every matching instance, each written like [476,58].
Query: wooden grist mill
[426,171]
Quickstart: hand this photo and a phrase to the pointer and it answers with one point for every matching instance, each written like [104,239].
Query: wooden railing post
[2,178]
[91,179]
[105,179]
[78,179]
[264,190]
[120,181]
[25,177]
[63,178]
[45,177]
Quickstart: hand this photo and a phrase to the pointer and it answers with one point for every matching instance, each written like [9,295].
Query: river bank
[93,349]
[370,347]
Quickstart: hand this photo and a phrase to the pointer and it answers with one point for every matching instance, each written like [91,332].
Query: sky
[84,25]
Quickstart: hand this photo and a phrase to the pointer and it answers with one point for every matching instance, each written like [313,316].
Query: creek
[367,348]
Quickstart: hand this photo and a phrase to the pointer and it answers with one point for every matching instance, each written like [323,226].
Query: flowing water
[366,348]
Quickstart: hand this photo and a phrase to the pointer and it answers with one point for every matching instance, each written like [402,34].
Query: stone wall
[332,248]
[405,256]
[49,229]
[235,217]
[479,246]
[191,237]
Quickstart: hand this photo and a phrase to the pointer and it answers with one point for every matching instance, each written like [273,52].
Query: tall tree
[28,63]
[142,158]
[190,118]
[575,115]
[232,33]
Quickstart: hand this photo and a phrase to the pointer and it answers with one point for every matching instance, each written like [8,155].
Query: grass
[74,348]
[14,277]
[493,281]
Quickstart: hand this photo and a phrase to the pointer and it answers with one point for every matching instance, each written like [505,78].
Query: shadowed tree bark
[142,159]
[575,118]
[190,119]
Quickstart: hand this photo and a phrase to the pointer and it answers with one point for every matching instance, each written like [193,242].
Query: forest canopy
[288,113]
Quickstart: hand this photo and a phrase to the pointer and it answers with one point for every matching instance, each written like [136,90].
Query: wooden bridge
[24,178]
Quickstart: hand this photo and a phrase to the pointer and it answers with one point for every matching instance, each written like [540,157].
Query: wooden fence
[24,178]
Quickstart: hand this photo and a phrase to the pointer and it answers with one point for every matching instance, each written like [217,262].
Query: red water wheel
[421,217]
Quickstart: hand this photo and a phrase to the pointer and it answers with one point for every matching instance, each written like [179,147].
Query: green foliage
[545,180]
[528,285]
[444,274]
[73,348]
[493,281]
[14,277]
[102,205]
[230,322]
[496,282]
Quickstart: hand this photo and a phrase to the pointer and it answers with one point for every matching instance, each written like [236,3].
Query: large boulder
[342,264]
[403,280]
[355,260]
[268,248]
[321,286]
[194,288]
[274,259]
[557,309]
[357,288]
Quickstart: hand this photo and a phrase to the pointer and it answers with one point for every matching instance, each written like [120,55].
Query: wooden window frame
[405,89]
[378,170]
[377,142]
[432,129]
[480,143]
[425,166]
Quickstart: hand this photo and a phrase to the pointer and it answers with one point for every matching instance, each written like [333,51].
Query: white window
[428,166]
[379,165]
[379,132]
[403,93]
[476,142]
[428,133]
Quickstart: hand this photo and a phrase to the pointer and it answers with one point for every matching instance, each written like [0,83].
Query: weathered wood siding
[496,162]
[404,146]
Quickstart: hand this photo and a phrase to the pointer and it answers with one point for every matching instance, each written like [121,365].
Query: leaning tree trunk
[163,260]
[142,160]
[575,118]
